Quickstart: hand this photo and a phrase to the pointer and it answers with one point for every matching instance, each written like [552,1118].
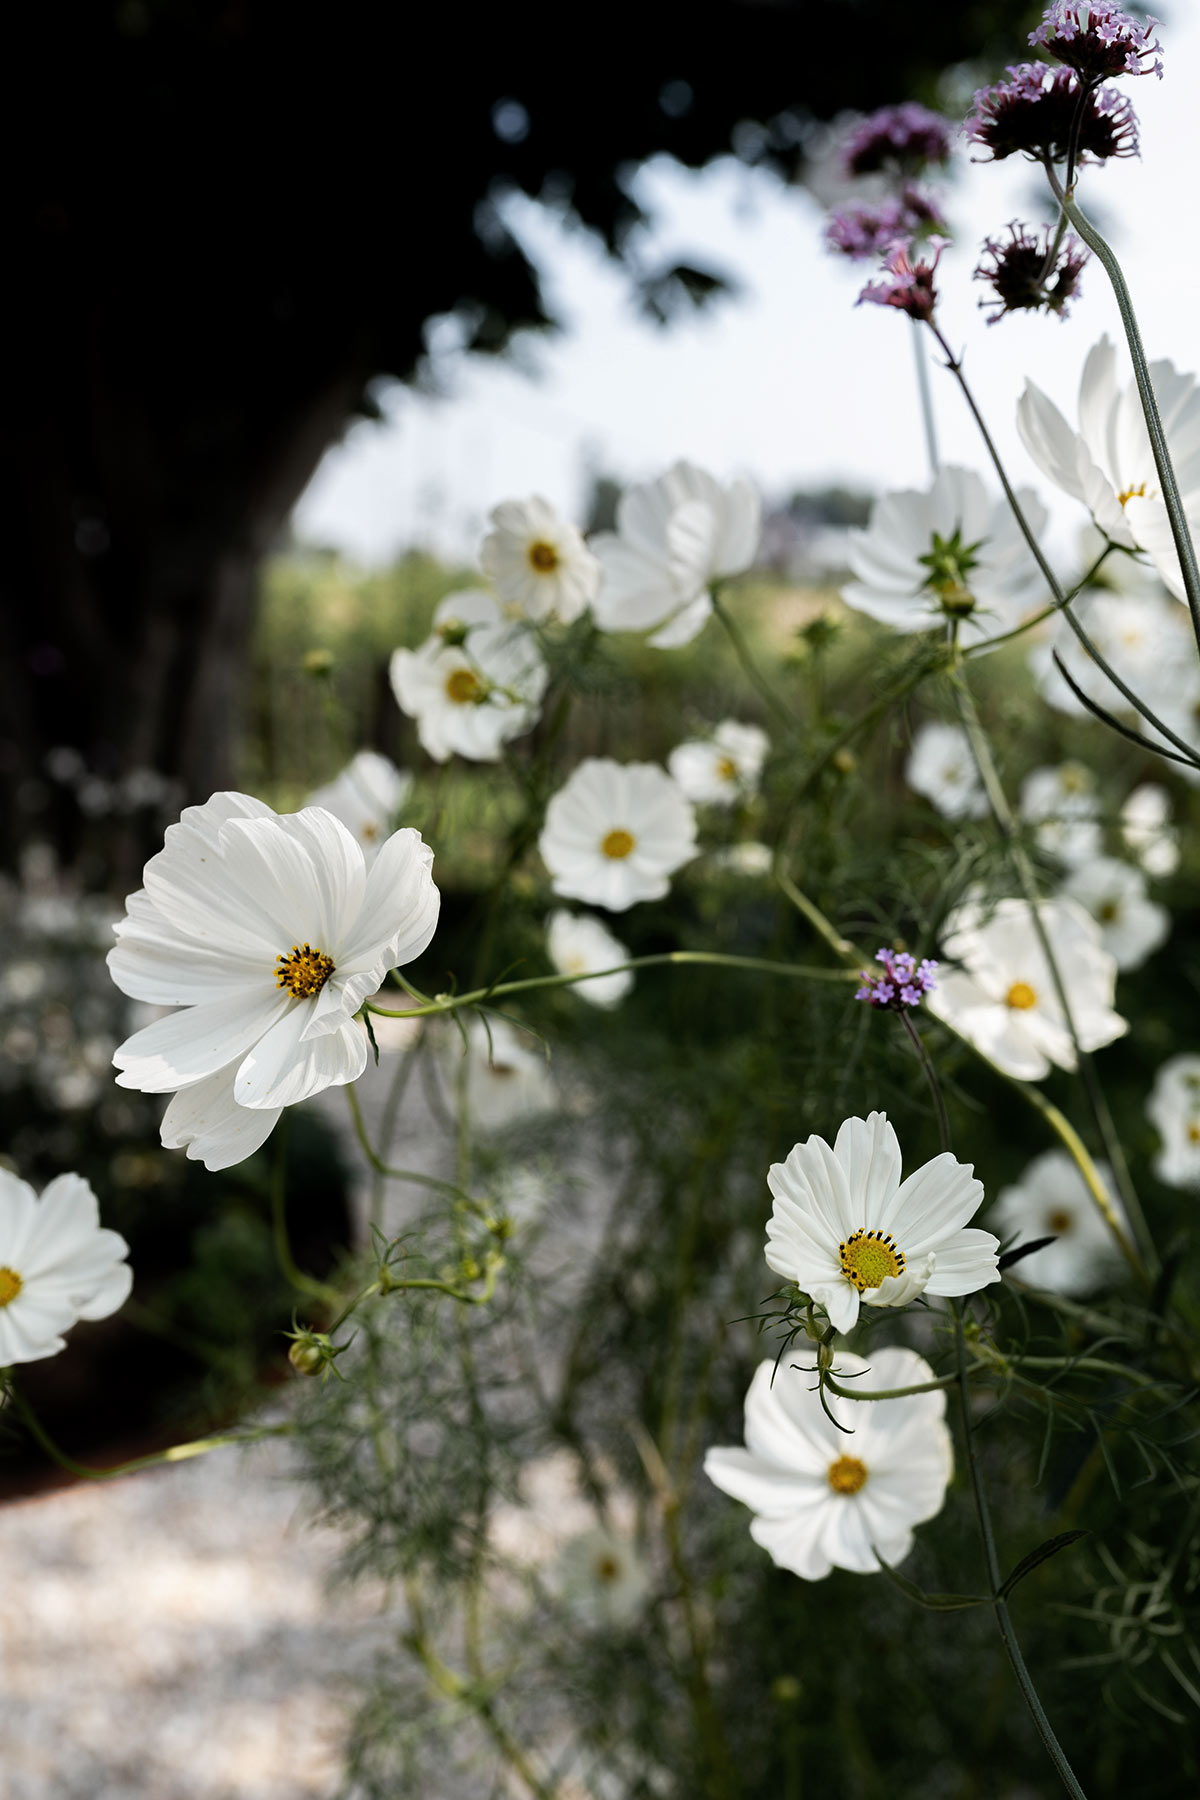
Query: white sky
[790,384]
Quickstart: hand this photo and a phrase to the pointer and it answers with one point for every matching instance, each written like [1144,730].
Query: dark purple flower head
[903,982]
[911,285]
[1035,109]
[862,231]
[1024,277]
[907,136]
[1097,40]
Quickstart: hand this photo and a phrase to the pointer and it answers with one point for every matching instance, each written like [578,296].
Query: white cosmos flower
[268,932]
[1003,999]
[1108,463]
[507,1076]
[845,1227]
[1131,925]
[943,769]
[825,1498]
[474,684]
[722,769]
[577,944]
[946,551]
[1052,1200]
[747,858]
[540,565]
[674,538]
[616,833]
[1140,632]
[1147,829]
[603,1579]
[1063,806]
[1174,1108]
[366,797]
[57,1265]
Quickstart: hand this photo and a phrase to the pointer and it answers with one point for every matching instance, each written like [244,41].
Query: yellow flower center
[1021,996]
[1059,1222]
[618,844]
[869,1257]
[1193,1132]
[463,687]
[847,1475]
[10,1286]
[543,557]
[303,970]
[727,769]
[607,1568]
[1132,493]
[1108,911]
[369,832]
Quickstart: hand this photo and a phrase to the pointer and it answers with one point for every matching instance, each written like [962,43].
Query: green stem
[931,1078]
[926,398]
[173,1454]
[414,1176]
[758,681]
[837,943]
[896,1393]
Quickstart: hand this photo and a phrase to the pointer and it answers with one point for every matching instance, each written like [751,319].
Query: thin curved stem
[173,1454]
[924,394]
[758,681]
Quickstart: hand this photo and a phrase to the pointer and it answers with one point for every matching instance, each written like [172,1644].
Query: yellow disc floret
[847,1475]
[10,1285]
[618,844]
[727,769]
[463,687]
[1021,996]
[303,970]
[869,1257]
[543,557]
[1132,493]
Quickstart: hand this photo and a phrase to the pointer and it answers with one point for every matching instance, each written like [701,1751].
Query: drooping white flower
[539,564]
[1002,998]
[1174,1109]
[57,1265]
[1052,1200]
[1063,806]
[825,1498]
[268,933]
[616,833]
[577,943]
[474,684]
[1147,829]
[722,769]
[1108,464]
[604,1581]
[675,537]
[507,1077]
[366,797]
[845,1228]
[1132,926]
[943,769]
[946,551]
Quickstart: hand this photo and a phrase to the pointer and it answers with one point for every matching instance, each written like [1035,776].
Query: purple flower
[911,287]
[1024,276]
[903,982]
[862,231]
[1035,110]
[1097,39]
[908,136]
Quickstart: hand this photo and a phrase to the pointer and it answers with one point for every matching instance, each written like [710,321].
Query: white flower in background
[825,1498]
[846,1229]
[539,564]
[1140,632]
[616,833]
[1131,926]
[603,1579]
[675,537]
[1052,1200]
[474,684]
[747,858]
[1063,806]
[57,1265]
[1174,1109]
[1147,829]
[507,1076]
[366,797]
[576,944]
[268,932]
[943,769]
[1108,464]
[946,552]
[1003,998]
[724,768]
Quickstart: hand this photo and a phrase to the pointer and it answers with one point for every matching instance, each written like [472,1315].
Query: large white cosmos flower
[722,769]
[825,1498]
[1108,463]
[1052,1200]
[366,797]
[616,833]
[674,538]
[268,932]
[1174,1108]
[946,551]
[1002,998]
[57,1265]
[540,565]
[846,1229]
[474,684]
[577,944]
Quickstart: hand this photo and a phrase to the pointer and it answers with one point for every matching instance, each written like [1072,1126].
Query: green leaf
[931,1602]
[1042,1554]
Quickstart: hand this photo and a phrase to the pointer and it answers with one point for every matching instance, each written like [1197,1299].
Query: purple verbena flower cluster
[904,982]
[1097,40]
[908,136]
[911,286]
[1024,276]
[862,231]
[1035,110]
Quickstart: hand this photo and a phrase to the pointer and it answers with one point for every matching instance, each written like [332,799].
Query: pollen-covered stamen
[618,844]
[869,1257]
[10,1285]
[543,557]
[1020,996]
[847,1475]
[1132,493]
[303,970]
